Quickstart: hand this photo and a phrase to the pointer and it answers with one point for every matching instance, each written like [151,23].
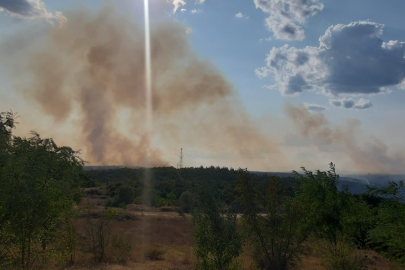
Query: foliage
[168,181]
[218,243]
[341,256]
[281,231]
[358,218]
[126,195]
[187,201]
[388,234]
[40,183]
[320,192]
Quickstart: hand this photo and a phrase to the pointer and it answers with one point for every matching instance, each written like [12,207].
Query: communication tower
[180,165]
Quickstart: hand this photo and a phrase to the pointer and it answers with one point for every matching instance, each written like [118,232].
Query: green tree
[218,243]
[320,192]
[280,231]
[388,235]
[40,182]
[332,215]
[126,195]
[187,201]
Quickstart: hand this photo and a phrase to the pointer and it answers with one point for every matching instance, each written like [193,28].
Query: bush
[187,201]
[138,200]
[126,195]
[155,254]
[217,241]
[120,249]
[278,236]
[99,232]
[92,192]
[341,256]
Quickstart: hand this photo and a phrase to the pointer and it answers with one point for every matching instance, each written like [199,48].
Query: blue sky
[345,93]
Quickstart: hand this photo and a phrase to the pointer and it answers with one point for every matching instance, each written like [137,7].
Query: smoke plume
[370,154]
[94,66]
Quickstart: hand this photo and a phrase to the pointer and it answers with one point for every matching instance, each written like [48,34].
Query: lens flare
[148,74]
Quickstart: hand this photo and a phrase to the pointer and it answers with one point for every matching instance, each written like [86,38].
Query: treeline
[170,186]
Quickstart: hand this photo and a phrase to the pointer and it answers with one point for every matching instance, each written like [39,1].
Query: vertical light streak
[147,198]
[148,74]
[148,100]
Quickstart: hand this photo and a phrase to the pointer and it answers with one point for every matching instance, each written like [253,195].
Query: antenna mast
[180,165]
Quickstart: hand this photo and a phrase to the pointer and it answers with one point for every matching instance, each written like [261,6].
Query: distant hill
[101,168]
[355,182]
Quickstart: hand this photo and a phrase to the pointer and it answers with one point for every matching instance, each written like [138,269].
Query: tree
[218,242]
[281,230]
[40,183]
[320,192]
[126,195]
[99,231]
[388,235]
[332,215]
[187,201]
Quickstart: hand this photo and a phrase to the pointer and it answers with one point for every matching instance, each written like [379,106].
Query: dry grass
[163,240]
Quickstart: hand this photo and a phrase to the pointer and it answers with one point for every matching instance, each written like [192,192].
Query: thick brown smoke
[97,61]
[368,155]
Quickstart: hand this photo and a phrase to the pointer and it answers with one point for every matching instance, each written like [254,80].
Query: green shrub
[187,201]
[217,240]
[126,195]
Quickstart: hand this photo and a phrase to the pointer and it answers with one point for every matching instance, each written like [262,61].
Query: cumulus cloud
[287,16]
[196,11]
[349,103]
[199,1]
[351,59]
[183,10]
[30,9]
[314,107]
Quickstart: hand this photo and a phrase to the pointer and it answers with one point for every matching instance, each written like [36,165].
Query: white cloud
[265,39]
[351,59]
[189,30]
[30,9]
[176,4]
[314,107]
[241,16]
[287,16]
[349,103]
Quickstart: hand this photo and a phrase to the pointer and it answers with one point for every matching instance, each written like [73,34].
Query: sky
[271,85]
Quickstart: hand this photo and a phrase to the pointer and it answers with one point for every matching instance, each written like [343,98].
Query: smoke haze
[367,153]
[93,66]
